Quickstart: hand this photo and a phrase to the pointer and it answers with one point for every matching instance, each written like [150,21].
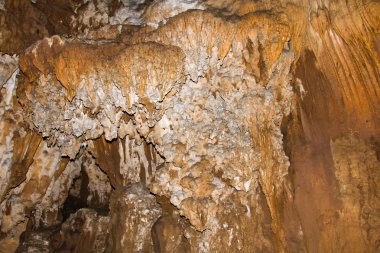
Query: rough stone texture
[83,231]
[189,126]
[133,212]
[356,167]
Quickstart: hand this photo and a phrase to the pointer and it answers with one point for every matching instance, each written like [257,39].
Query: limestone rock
[83,231]
[133,212]
[189,126]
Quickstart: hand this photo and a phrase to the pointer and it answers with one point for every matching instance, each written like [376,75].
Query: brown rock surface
[189,126]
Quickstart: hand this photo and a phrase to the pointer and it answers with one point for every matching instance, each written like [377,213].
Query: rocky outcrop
[83,231]
[133,212]
[190,126]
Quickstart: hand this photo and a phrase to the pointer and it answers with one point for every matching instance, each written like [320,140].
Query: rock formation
[189,126]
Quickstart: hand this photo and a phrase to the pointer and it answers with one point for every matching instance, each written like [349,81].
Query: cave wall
[189,126]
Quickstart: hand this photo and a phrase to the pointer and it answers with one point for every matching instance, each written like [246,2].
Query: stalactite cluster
[189,126]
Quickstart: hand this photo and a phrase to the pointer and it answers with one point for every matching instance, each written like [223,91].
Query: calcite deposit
[189,126]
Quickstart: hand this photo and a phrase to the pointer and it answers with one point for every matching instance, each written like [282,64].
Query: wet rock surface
[189,126]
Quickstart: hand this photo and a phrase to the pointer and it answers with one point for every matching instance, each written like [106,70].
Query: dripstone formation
[189,126]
